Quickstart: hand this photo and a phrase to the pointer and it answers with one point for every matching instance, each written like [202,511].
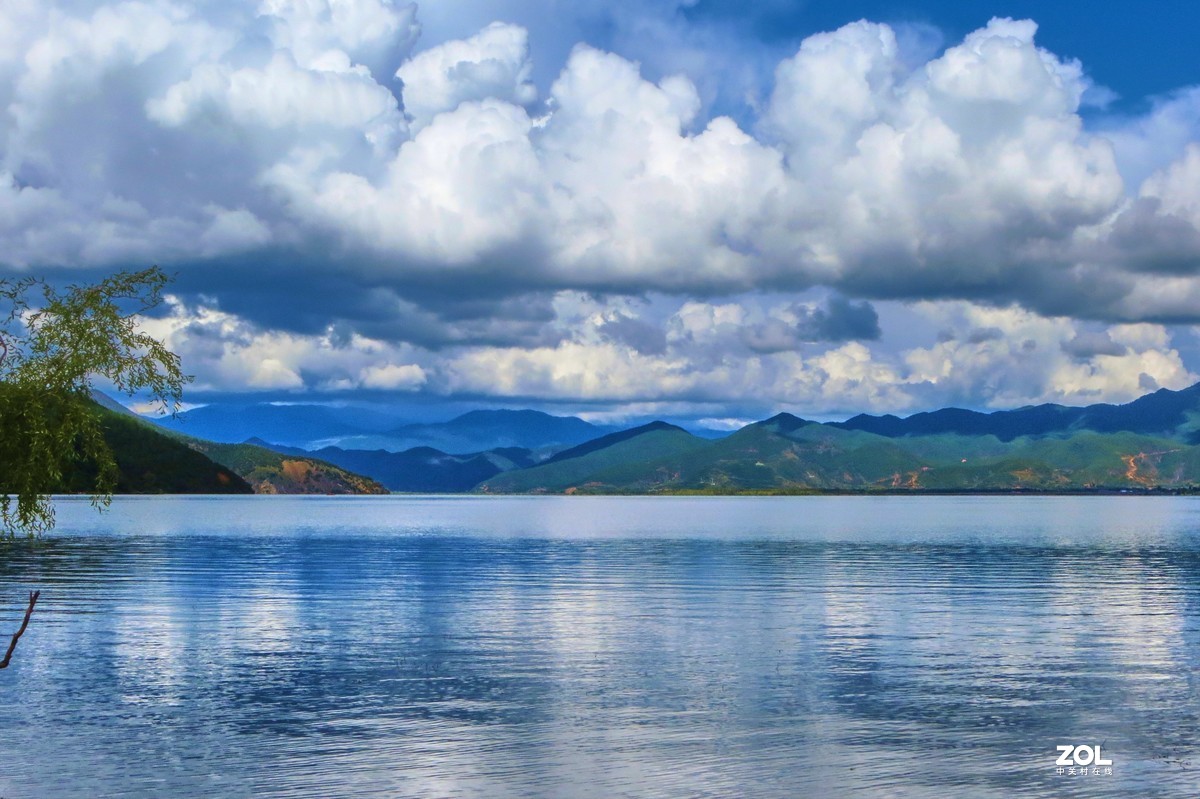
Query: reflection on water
[604,647]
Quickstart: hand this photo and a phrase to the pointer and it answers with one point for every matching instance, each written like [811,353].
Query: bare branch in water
[33,598]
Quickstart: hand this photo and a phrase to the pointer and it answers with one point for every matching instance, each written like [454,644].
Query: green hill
[149,462]
[778,454]
[785,454]
[618,463]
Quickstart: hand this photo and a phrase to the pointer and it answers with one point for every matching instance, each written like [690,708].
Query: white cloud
[970,175]
[283,94]
[998,357]
[1177,187]
[232,230]
[372,32]
[464,187]
[837,85]
[1025,359]
[637,201]
[177,132]
[494,63]
[229,353]
[406,376]
[964,176]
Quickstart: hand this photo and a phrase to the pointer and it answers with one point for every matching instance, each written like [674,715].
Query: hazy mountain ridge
[312,427]
[484,430]
[292,424]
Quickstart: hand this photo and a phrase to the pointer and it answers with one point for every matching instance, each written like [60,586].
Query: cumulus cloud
[233,354]
[431,214]
[1040,359]
[494,63]
[375,33]
[463,190]
[700,362]
[282,94]
[968,176]
[1150,142]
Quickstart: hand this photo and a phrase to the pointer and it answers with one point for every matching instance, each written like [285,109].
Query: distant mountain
[783,452]
[1174,414]
[1152,442]
[421,469]
[314,426]
[1146,444]
[479,431]
[620,462]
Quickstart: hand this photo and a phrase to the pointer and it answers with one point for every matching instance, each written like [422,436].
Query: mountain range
[1150,443]
[1172,413]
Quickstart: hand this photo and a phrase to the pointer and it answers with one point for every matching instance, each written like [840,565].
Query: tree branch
[33,598]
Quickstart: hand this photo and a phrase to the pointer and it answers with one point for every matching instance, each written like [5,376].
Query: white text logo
[1082,759]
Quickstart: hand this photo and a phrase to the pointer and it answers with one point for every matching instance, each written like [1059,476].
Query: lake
[604,647]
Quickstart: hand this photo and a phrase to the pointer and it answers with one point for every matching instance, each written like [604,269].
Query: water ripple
[604,648]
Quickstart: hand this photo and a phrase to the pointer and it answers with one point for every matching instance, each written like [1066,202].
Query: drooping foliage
[54,343]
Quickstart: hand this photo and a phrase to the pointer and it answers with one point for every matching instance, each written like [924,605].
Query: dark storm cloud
[1087,344]
[1147,239]
[642,336]
[840,319]
[265,291]
[836,321]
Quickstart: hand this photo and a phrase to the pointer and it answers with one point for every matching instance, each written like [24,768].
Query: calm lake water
[604,647]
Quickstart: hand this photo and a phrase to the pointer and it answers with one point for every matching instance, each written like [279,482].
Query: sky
[625,209]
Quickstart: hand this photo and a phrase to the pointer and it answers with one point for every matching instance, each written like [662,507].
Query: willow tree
[53,345]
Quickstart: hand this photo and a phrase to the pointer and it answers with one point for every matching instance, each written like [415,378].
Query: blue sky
[699,210]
